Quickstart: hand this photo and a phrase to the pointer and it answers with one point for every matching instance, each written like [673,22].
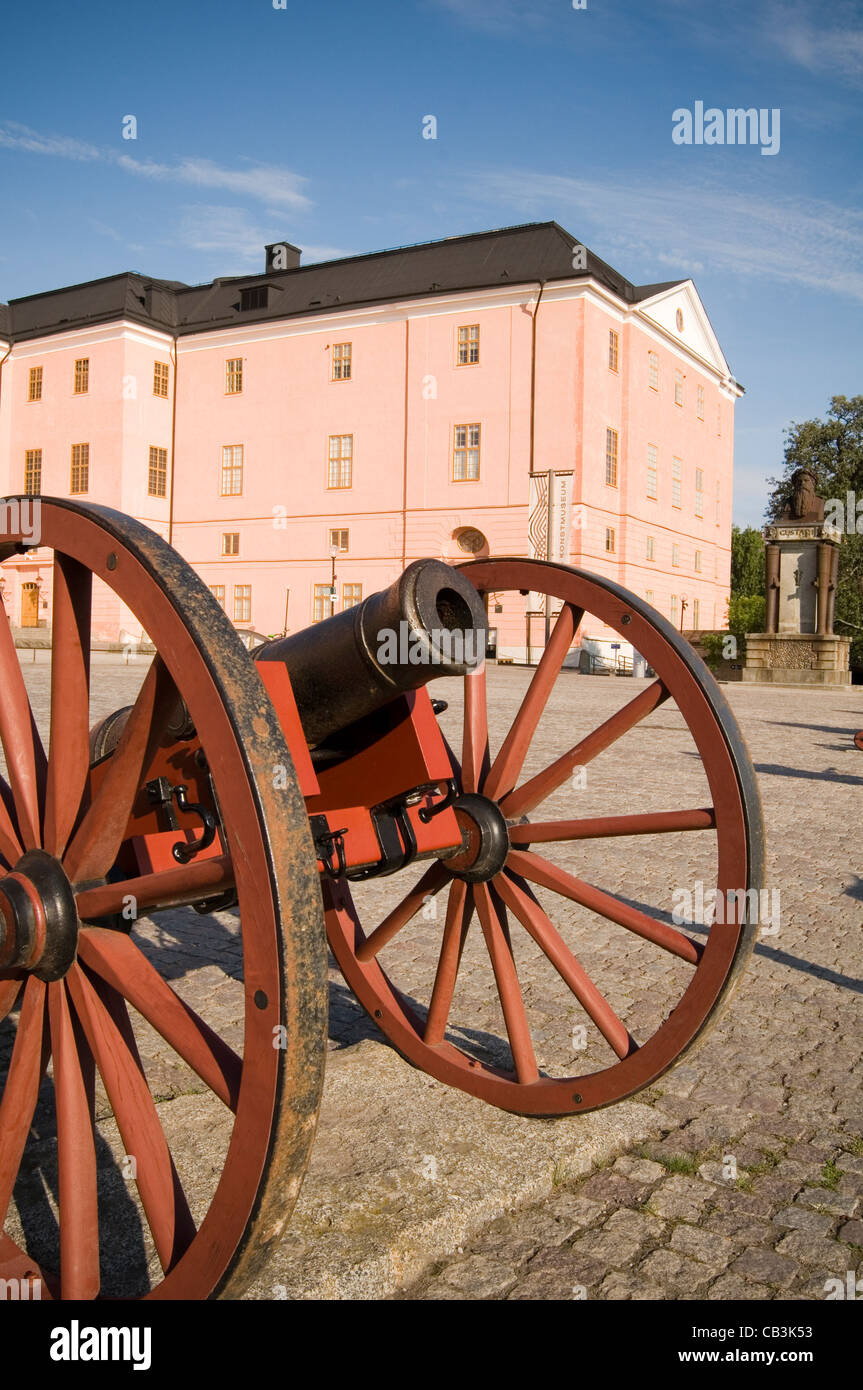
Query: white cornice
[90,337]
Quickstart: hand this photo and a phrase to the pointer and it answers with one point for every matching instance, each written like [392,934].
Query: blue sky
[257,124]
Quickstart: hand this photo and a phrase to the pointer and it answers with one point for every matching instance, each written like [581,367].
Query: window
[468,345]
[82,376]
[649,549]
[674,608]
[341,460]
[676,475]
[678,388]
[80,480]
[613,342]
[652,473]
[609,539]
[696,613]
[158,476]
[233,376]
[653,371]
[465,453]
[218,592]
[254,298]
[700,406]
[675,555]
[33,470]
[232,470]
[34,387]
[323,604]
[648,594]
[160,379]
[230,542]
[698,562]
[611,458]
[352,594]
[341,361]
[339,539]
[242,603]
[699,492]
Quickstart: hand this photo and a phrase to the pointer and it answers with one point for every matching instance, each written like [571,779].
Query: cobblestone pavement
[756,1192]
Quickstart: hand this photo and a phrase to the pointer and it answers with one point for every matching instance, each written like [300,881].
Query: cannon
[316,793]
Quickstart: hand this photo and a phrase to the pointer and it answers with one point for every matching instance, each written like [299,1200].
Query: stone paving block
[638,1169]
[730,1288]
[804,1219]
[709,1247]
[675,1272]
[852,1232]
[766,1267]
[680,1197]
[479,1277]
[826,1198]
[628,1287]
[812,1249]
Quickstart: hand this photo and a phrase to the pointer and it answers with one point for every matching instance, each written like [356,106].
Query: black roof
[536,251]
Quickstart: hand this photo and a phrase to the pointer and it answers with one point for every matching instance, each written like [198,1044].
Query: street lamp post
[334,550]
[684,604]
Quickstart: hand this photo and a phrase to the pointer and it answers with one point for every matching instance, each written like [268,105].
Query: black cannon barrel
[431,622]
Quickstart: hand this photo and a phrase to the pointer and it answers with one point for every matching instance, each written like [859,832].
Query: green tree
[747,562]
[833,449]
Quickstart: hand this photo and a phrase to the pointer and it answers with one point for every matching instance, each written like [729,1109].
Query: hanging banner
[537,532]
[560,518]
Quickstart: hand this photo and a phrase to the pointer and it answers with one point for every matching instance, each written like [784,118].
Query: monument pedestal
[801,564]
[801,658]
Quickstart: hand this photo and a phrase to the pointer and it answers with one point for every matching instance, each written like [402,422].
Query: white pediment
[680,313]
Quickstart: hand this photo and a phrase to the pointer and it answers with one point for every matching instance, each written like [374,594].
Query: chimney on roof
[282,255]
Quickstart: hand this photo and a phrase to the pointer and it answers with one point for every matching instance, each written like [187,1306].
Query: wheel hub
[484,836]
[38,917]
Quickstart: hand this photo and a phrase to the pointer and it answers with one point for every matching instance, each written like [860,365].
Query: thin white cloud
[20,137]
[802,241]
[830,44]
[262,182]
[230,231]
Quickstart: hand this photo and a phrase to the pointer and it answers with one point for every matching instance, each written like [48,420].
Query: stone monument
[801,561]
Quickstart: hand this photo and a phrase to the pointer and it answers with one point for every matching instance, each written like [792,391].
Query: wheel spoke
[109,1033]
[601,827]
[25,756]
[528,911]
[10,846]
[510,759]
[508,987]
[115,957]
[96,842]
[474,760]
[523,800]
[76,1154]
[18,1103]
[189,883]
[458,915]
[10,987]
[547,875]
[69,752]
[431,882]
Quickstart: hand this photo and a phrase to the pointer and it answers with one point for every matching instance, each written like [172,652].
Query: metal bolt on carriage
[279,787]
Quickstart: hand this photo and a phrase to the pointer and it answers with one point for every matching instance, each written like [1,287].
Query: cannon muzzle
[431,622]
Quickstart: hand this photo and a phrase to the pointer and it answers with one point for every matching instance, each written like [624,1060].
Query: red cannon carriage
[284,788]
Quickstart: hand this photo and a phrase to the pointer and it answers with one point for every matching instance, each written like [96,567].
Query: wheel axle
[38,918]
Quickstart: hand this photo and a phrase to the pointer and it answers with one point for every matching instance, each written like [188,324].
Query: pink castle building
[355,415]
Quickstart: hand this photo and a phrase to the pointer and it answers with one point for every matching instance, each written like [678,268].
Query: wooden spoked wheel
[78,990]
[519,887]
